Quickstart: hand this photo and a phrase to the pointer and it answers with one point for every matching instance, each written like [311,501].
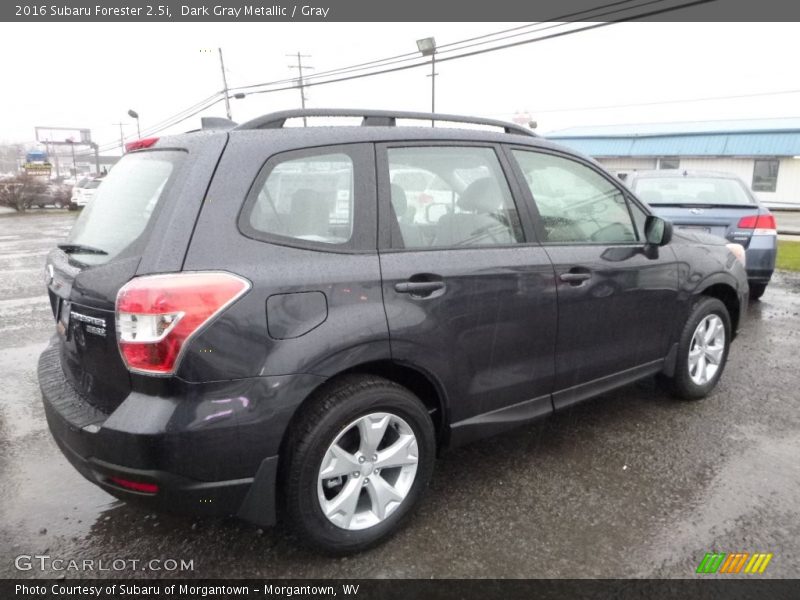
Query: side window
[444,196]
[308,199]
[765,175]
[576,203]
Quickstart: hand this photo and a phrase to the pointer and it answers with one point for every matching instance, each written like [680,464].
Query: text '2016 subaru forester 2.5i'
[266,320]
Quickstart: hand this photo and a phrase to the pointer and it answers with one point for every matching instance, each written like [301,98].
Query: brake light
[157,315]
[763,224]
[136,486]
[140,144]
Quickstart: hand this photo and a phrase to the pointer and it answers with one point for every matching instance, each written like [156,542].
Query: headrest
[482,195]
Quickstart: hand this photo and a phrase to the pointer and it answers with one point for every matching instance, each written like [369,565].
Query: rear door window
[123,205]
[448,196]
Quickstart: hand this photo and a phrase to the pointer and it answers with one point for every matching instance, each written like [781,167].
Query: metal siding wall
[788,183]
[628,164]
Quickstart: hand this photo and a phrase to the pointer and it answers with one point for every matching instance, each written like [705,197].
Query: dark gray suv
[266,320]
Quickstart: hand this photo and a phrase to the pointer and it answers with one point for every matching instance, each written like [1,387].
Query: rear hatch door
[137,206]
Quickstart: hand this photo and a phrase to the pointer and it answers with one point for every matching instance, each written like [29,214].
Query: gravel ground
[632,484]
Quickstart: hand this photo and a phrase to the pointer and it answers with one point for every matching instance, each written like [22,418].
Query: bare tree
[21,192]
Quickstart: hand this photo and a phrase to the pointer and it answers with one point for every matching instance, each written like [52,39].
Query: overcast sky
[89,75]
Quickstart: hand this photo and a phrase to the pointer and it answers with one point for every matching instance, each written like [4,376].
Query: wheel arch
[419,381]
[725,293]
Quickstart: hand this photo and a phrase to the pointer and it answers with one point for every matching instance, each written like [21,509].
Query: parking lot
[632,484]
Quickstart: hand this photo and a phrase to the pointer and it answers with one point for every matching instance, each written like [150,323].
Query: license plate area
[695,228]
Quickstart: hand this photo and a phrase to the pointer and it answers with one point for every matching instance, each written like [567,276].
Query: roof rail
[376,118]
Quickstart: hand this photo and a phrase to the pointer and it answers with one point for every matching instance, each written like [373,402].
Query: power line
[457,56]
[504,46]
[415,55]
[676,101]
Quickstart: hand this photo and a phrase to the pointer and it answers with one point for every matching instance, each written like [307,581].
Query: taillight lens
[763,224]
[140,144]
[158,314]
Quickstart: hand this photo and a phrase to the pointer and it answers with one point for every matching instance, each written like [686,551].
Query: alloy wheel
[367,471]
[707,349]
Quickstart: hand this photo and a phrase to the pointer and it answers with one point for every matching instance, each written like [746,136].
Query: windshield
[123,204]
[691,190]
[93,184]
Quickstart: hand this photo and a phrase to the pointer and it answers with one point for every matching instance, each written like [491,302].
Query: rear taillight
[158,314]
[140,144]
[763,224]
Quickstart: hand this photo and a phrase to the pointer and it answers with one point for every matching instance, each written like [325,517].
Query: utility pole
[225,86]
[299,66]
[121,137]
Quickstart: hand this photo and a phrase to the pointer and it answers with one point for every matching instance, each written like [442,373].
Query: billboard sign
[63,135]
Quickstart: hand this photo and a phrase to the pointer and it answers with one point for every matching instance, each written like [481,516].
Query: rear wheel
[757,290]
[357,463]
[702,350]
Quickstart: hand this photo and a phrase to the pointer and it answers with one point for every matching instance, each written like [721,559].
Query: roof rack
[376,118]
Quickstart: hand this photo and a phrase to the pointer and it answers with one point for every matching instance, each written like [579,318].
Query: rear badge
[94,325]
[696,211]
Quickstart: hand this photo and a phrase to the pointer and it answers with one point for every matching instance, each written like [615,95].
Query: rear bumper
[760,258]
[210,450]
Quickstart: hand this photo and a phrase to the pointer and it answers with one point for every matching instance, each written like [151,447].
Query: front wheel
[357,463]
[702,349]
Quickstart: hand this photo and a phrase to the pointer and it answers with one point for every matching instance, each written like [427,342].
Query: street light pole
[427,46]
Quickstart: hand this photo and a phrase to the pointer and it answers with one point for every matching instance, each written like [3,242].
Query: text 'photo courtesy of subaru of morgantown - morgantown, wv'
[289,324]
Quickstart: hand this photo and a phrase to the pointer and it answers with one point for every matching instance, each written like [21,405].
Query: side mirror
[657,231]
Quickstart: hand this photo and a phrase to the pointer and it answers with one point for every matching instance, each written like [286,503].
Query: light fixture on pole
[427,46]
[134,115]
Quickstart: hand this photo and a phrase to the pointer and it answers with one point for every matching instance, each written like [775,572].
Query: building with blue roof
[764,153]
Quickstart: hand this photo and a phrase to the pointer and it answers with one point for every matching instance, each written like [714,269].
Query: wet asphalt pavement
[632,484]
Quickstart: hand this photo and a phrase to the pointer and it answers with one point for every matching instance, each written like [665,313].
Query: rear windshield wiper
[81,249]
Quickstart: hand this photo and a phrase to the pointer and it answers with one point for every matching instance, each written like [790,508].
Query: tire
[757,290]
[333,415]
[687,383]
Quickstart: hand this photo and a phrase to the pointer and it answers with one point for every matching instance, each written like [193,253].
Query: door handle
[418,288]
[575,278]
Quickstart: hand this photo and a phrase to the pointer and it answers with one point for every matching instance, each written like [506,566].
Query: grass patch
[788,256]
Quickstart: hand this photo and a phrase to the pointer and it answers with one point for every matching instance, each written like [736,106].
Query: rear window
[93,184]
[123,204]
[691,190]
